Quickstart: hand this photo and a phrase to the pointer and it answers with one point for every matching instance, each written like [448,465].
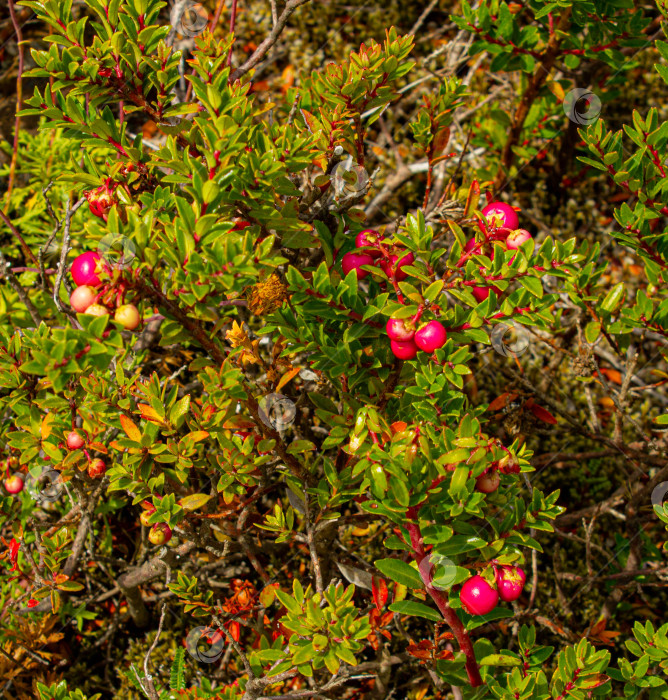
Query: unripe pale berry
[145,515]
[478,597]
[84,269]
[75,441]
[354,261]
[488,481]
[404,350]
[128,316]
[14,484]
[160,533]
[431,336]
[97,310]
[400,329]
[516,238]
[96,468]
[82,297]
[510,582]
[500,215]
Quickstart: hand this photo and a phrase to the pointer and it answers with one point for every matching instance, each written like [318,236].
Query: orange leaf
[398,426]
[46,425]
[131,430]
[287,377]
[98,447]
[149,413]
[543,415]
[612,375]
[501,401]
[198,435]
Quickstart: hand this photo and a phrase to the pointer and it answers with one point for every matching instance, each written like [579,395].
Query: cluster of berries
[96,466]
[88,298]
[501,225]
[479,597]
[406,340]
[160,533]
[372,249]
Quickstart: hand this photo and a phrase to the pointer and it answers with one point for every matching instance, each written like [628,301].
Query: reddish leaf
[543,415]
[380,592]
[501,401]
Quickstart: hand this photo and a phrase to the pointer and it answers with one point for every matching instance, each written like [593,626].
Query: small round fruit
[481,293]
[160,533]
[478,597]
[431,336]
[96,468]
[354,261]
[128,316]
[392,266]
[500,215]
[75,441]
[516,238]
[510,582]
[369,238]
[400,329]
[84,269]
[97,310]
[82,297]
[145,515]
[14,484]
[488,481]
[404,351]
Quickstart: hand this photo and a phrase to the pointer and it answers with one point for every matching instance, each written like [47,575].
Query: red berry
[160,533]
[32,603]
[82,297]
[404,351]
[14,484]
[391,265]
[500,215]
[510,582]
[96,468]
[354,261]
[128,316]
[369,238]
[84,269]
[481,293]
[400,329]
[431,336]
[488,481]
[478,597]
[75,441]
[516,238]
[97,310]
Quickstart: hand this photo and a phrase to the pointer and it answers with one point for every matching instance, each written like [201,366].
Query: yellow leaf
[149,413]
[198,435]
[47,425]
[131,430]
[556,89]
[195,501]
[287,377]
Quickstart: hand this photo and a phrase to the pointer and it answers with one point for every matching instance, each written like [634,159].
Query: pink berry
[481,293]
[84,269]
[369,238]
[510,582]
[488,482]
[354,261]
[516,238]
[82,297]
[478,597]
[160,533]
[75,441]
[400,329]
[431,336]
[404,350]
[500,215]
[96,468]
[390,266]
[14,484]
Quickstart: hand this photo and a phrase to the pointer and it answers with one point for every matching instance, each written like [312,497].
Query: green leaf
[613,298]
[412,607]
[399,572]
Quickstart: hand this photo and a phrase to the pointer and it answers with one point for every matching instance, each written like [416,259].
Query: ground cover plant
[333,350]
